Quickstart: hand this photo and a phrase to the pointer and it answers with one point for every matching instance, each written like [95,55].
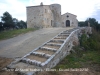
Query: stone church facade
[44,16]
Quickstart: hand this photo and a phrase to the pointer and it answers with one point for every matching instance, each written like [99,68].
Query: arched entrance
[67,23]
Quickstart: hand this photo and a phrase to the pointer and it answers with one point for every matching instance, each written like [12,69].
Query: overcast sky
[82,8]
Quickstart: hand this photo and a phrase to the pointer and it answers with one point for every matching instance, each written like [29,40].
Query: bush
[91,43]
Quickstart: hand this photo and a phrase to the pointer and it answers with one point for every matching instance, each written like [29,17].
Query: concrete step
[31,62]
[23,65]
[69,31]
[60,43]
[49,49]
[54,40]
[41,54]
[62,35]
[50,52]
[52,46]
[37,57]
[66,33]
[59,39]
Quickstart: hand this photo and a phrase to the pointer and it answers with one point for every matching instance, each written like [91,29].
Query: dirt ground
[95,70]
[3,63]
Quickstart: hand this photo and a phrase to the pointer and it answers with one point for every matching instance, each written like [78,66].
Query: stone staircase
[43,56]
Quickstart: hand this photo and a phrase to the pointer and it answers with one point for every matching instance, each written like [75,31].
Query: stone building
[69,20]
[44,16]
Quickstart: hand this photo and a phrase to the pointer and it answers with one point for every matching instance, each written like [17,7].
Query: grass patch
[13,33]
[75,61]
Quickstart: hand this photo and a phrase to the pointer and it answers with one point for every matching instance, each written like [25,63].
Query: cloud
[82,8]
[96,13]
[14,7]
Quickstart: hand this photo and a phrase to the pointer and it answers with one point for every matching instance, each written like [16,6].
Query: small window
[67,16]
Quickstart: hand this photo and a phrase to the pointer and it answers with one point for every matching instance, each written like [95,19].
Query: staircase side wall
[65,49]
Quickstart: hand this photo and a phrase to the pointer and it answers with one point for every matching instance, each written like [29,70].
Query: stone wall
[35,16]
[39,16]
[56,10]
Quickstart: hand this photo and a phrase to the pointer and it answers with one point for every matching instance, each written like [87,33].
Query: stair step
[51,49]
[54,47]
[67,34]
[59,38]
[22,65]
[41,54]
[37,58]
[54,44]
[54,40]
[31,62]
[50,52]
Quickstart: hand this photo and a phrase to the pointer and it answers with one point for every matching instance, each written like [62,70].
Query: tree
[93,23]
[22,24]
[1,26]
[81,24]
[15,23]
[7,20]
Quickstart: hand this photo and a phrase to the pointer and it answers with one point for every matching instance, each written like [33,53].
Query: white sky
[82,8]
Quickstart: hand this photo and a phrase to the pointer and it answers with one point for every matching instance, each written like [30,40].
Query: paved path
[23,44]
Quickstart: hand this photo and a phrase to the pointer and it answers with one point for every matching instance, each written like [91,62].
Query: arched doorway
[67,23]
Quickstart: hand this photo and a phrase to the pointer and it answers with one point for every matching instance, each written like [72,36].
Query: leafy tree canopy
[8,22]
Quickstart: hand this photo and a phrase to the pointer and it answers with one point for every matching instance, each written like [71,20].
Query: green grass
[75,61]
[13,33]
